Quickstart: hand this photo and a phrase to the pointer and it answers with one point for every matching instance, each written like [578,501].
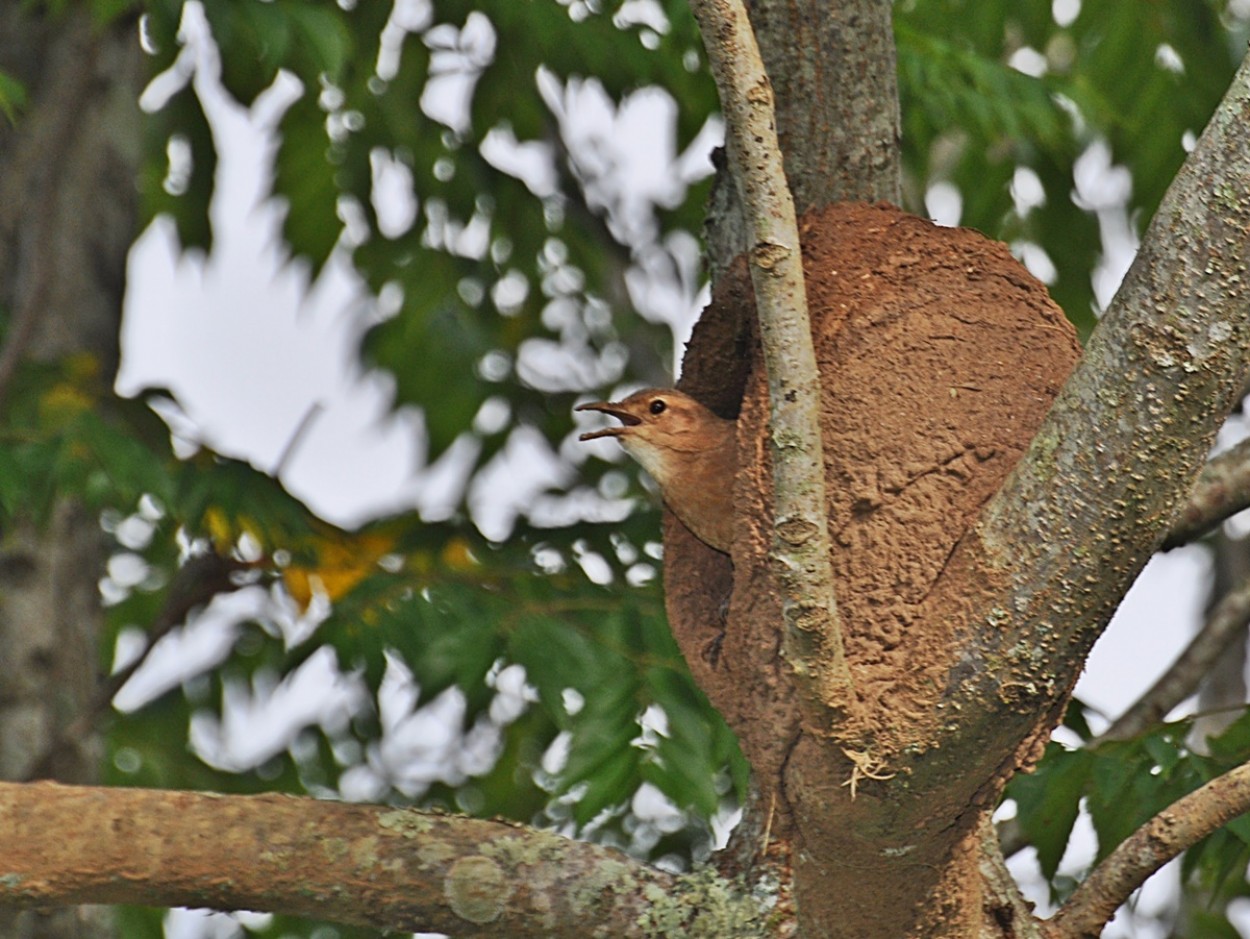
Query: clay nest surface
[939,356]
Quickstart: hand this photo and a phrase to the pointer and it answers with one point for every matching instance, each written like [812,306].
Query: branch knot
[767,255]
[795,531]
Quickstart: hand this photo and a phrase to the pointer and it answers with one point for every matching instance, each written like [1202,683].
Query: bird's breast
[697,486]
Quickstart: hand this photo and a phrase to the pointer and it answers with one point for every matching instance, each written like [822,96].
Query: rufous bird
[690,452]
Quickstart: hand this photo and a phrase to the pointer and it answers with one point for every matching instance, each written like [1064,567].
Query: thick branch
[813,635]
[1094,496]
[1229,618]
[834,71]
[1182,825]
[1222,490]
[1002,900]
[358,864]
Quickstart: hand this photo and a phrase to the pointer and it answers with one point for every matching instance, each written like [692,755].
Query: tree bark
[835,84]
[835,76]
[68,209]
[366,865]
[1222,490]
[1018,604]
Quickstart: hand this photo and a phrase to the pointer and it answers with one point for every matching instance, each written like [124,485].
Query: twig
[812,640]
[1229,617]
[297,437]
[1222,490]
[768,825]
[864,766]
[1183,824]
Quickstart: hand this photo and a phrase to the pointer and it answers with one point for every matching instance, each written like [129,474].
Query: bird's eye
[658,406]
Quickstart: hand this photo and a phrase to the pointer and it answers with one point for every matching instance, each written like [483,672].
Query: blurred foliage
[1139,76]
[12,97]
[500,298]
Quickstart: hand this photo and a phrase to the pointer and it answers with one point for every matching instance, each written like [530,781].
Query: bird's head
[658,426]
[691,452]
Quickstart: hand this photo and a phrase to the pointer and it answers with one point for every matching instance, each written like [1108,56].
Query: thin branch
[1222,490]
[315,410]
[365,865]
[812,640]
[1011,837]
[194,585]
[1002,899]
[1183,824]
[1230,617]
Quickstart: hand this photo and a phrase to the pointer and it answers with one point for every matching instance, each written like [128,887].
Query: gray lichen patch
[706,907]
[435,853]
[605,877]
[477,889]
[405,822]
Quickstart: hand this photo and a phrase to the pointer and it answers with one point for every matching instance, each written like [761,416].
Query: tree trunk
[68,207]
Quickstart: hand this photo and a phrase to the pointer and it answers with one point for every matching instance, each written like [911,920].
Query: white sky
[251,349]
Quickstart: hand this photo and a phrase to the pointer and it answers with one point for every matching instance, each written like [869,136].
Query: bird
[690,452]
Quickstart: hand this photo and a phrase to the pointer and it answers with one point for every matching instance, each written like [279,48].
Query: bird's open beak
[614,409]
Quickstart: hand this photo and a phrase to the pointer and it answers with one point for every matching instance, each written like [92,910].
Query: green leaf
[609,780]
[1075,719]
[962,123]
[1233,743]
[1049,800]
[1217,863]
[323,36]
[139,922]
[243,32]
[185,199]
[104,12]
[432,338]
[12,97]
[304,175]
